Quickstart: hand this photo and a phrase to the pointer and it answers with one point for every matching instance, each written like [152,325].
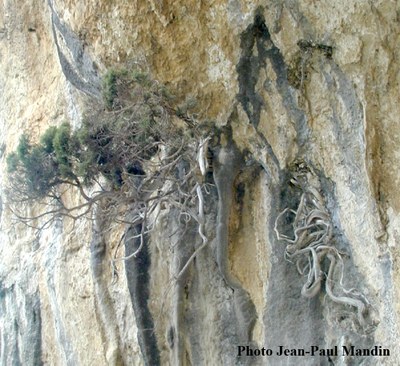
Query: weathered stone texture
[310,81]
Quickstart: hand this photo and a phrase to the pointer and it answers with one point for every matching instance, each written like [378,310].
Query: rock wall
[300,91]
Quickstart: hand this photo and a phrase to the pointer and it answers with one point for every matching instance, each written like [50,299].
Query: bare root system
[310,243]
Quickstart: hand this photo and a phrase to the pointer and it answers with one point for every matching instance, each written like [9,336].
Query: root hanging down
[309,244]
[182,195]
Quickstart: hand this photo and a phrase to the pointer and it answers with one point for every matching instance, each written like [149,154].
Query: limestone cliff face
[306,94]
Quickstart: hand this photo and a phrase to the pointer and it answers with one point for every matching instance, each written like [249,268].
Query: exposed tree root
[310,243]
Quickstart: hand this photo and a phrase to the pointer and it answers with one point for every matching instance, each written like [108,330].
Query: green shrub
[111,83]
[110,88]
[12,162]
[112,140]
[47,139]
[63,152]
[23,148]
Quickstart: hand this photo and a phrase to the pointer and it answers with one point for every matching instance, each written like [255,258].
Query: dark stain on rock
[249,67]
[171,337]
[257,47]
[258,50]
[138,277]
[76,63]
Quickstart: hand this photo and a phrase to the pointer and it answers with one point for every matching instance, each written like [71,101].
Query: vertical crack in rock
[31,337]
[138,278]
[76,64]
[211,315]
[104,305]
[226,168]
[178,332]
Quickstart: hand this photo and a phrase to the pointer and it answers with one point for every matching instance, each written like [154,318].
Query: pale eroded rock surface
[334,109]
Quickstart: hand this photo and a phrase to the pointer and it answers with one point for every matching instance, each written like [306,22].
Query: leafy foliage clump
[38,168]
[133,156]
[127,139]
[34,171]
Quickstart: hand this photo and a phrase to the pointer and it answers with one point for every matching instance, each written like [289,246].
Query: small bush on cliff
[34,172]
[129,147]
